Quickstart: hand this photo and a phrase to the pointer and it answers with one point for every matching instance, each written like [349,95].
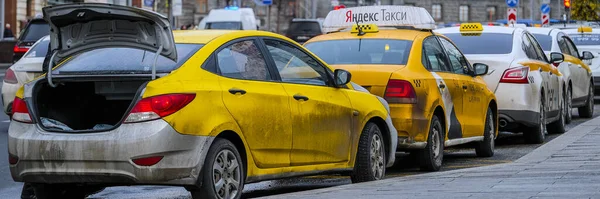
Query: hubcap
[226,175]
[542,119]
[591,97]
[436,144]
[491,132]
[377,163]
[569,105]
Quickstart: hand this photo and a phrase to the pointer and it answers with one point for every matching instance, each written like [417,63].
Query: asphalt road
[509,147]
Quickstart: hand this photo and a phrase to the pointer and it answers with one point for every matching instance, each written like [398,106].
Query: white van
[230,19]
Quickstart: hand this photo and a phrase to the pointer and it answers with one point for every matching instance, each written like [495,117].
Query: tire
[558,126]
[222,153]
[27,191]
[430,158]
[536,135]
[569,100]
[370,156]
[486,147]
[587,111]
[51,191]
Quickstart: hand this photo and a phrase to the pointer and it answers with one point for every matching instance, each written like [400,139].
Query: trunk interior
[84,105]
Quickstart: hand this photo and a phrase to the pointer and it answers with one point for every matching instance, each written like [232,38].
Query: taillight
[556,64]
[515,76]
[20,111]
[18,49]
[156,107]
[10,77]
[400,91]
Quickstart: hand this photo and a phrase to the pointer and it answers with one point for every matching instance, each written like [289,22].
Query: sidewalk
[566,167]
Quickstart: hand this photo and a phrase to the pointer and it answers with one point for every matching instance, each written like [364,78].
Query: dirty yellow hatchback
[126,101]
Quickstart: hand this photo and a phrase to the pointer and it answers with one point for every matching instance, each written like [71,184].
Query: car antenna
[160,48]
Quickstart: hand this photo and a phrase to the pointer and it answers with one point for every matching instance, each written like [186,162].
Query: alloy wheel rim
[377,163]
[436,144]
[569,105]
[491,132]
[591,97]
[542,119]
[226,175]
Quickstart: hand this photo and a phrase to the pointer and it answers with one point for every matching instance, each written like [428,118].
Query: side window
[457,59]
[294,65]
[562,44]
[434,56]
[243,60]
[528,48]
[538,49]
[572,47]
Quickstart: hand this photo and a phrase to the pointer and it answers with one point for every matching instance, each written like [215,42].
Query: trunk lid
[371,76]
[87,26]
[497,65]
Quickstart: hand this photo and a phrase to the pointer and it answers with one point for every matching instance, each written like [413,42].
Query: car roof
[401,34]
[205,36]
[486,29]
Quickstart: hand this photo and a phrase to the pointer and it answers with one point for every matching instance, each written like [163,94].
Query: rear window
[39,50]
[486,43]
[365,51]
[224,25]
[585,39]
[306,27]
[35,31]
[124,61]
[544,40]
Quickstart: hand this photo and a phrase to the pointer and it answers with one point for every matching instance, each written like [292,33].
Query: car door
[259,105]
[450,88]
[472,114]
[580,70]
[549,72]
[321,114]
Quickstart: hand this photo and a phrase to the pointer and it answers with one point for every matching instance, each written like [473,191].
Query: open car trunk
[85,105]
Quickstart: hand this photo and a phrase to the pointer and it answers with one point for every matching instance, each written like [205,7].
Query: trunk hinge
[160,48]
[49,73]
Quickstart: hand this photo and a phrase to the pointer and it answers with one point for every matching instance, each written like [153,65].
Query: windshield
[362,51]
[224,25]
[125,61]
[486,43]
[585,39]
[305,27]
[36,31]
[544,40]
[38,50]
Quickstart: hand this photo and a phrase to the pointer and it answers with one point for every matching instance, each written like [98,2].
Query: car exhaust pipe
[503,123]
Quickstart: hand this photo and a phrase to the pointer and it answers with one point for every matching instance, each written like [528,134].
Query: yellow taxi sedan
[207,110]
[437,98]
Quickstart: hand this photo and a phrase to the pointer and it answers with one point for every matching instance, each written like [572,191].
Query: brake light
[10,77]
[18,49]
[556,64]
[20,111]
[400,91]
[515,75]
[158,106]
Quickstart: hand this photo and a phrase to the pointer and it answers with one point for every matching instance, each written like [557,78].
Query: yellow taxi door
[448,85]
[258,104]
[473,113]
[322,114]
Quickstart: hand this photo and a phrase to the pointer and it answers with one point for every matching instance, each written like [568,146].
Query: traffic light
[341,6]
[567,3]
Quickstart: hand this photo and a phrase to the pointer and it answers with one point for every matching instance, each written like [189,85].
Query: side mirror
[480,69]
[341,77]
[556,58]
[587,55]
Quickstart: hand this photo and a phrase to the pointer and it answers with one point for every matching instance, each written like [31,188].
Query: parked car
[579,85]
[25,70]
[529,88]
[230,19]
[587,38]
[209,110]
[437,97]
[301,30]
[33,31]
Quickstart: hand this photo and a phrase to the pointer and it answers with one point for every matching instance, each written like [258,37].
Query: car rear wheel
[485,148]
[370,157]
[587,111]
[223,172]
[536,135]
[430,158]
[559,125]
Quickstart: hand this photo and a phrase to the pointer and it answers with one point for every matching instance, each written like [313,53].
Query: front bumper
[106,157]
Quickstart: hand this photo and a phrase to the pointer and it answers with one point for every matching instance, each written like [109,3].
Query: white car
[24,70]
[528,87]
[588,39]
[579,91]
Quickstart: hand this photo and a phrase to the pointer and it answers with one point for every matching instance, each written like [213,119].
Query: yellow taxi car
[207,110]
[437,98]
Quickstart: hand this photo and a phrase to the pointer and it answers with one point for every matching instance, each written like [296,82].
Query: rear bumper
[517,118]
[106,158]
[411,125]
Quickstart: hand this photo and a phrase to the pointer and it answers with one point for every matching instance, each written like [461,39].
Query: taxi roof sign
[381,16]
[366,28]
[471,27]
[583,29]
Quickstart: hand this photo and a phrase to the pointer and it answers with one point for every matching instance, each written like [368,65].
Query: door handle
[442,86]
[465,87]
[300,97]
[236,90]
